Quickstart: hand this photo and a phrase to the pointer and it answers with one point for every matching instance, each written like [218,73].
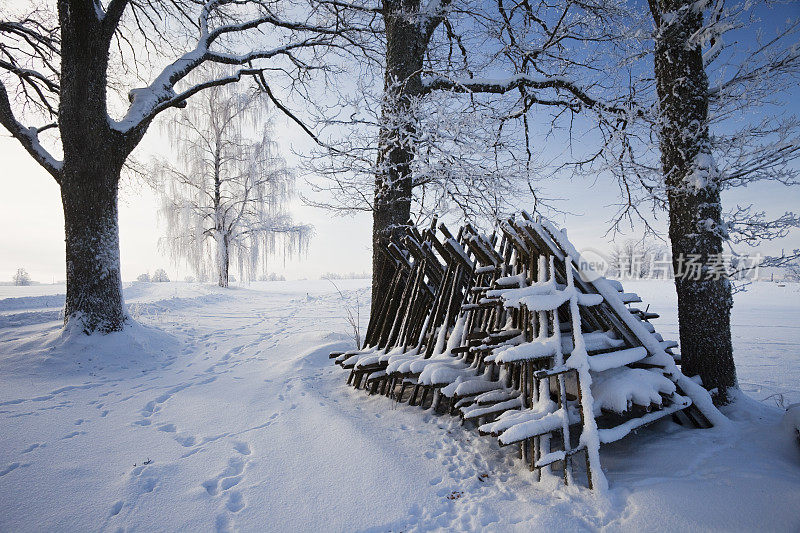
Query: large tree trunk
[405,48]
[693,192]
[93,159]
[94,285]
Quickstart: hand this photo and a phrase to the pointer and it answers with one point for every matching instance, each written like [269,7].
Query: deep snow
[220,410]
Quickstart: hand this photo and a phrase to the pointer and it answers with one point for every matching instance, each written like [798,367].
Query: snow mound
[322,345]
[70,351]
[27,318]
[617,389]
[48,301]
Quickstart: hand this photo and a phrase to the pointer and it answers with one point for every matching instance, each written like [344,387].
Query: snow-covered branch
[505,85]
[28,137]
[432,14]
[744,225]
[29,56]
[215,46]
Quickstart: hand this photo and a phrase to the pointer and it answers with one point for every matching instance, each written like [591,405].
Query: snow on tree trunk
[405,48]
[693,191]
[93,159]
[57,70]
[94,285]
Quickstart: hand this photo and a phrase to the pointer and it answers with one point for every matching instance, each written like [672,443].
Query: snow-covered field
[221,410]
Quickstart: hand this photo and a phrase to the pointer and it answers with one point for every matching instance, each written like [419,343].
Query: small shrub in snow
[160,276]
[143,277]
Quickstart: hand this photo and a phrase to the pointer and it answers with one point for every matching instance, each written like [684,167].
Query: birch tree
[224,200]
[61,65]
[21,277]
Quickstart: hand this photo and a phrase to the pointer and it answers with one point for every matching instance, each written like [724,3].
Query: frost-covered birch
[224,200]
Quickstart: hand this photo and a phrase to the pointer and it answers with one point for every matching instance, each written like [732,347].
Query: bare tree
[160,276]
[225,200]
[447,131]
[21,277]
[55,72]
[637,259]
[792,272]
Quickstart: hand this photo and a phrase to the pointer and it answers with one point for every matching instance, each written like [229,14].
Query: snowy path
[244,424]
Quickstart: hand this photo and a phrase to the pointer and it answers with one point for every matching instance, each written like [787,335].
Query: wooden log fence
[517,336]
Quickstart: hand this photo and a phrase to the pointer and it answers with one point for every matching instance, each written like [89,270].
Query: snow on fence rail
[513,333]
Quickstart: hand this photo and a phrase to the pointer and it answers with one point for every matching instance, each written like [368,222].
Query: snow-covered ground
[220,410]
[765,324]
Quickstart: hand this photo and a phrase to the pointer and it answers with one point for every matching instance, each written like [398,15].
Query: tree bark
[693,193]
[223,259]
[94,284]
[93,159]
[406,43]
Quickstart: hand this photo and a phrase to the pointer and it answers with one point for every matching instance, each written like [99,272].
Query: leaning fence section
[517,336]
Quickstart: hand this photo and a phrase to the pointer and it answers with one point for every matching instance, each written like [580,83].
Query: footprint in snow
[228,478]
[187,441]
[235,502]
[223,523]
[210,486]
[229,482]
[242,447]
[148,485]
[116,508]
[11,467]
[33,446]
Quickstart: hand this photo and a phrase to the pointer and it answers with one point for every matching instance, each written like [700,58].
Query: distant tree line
[159,276]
